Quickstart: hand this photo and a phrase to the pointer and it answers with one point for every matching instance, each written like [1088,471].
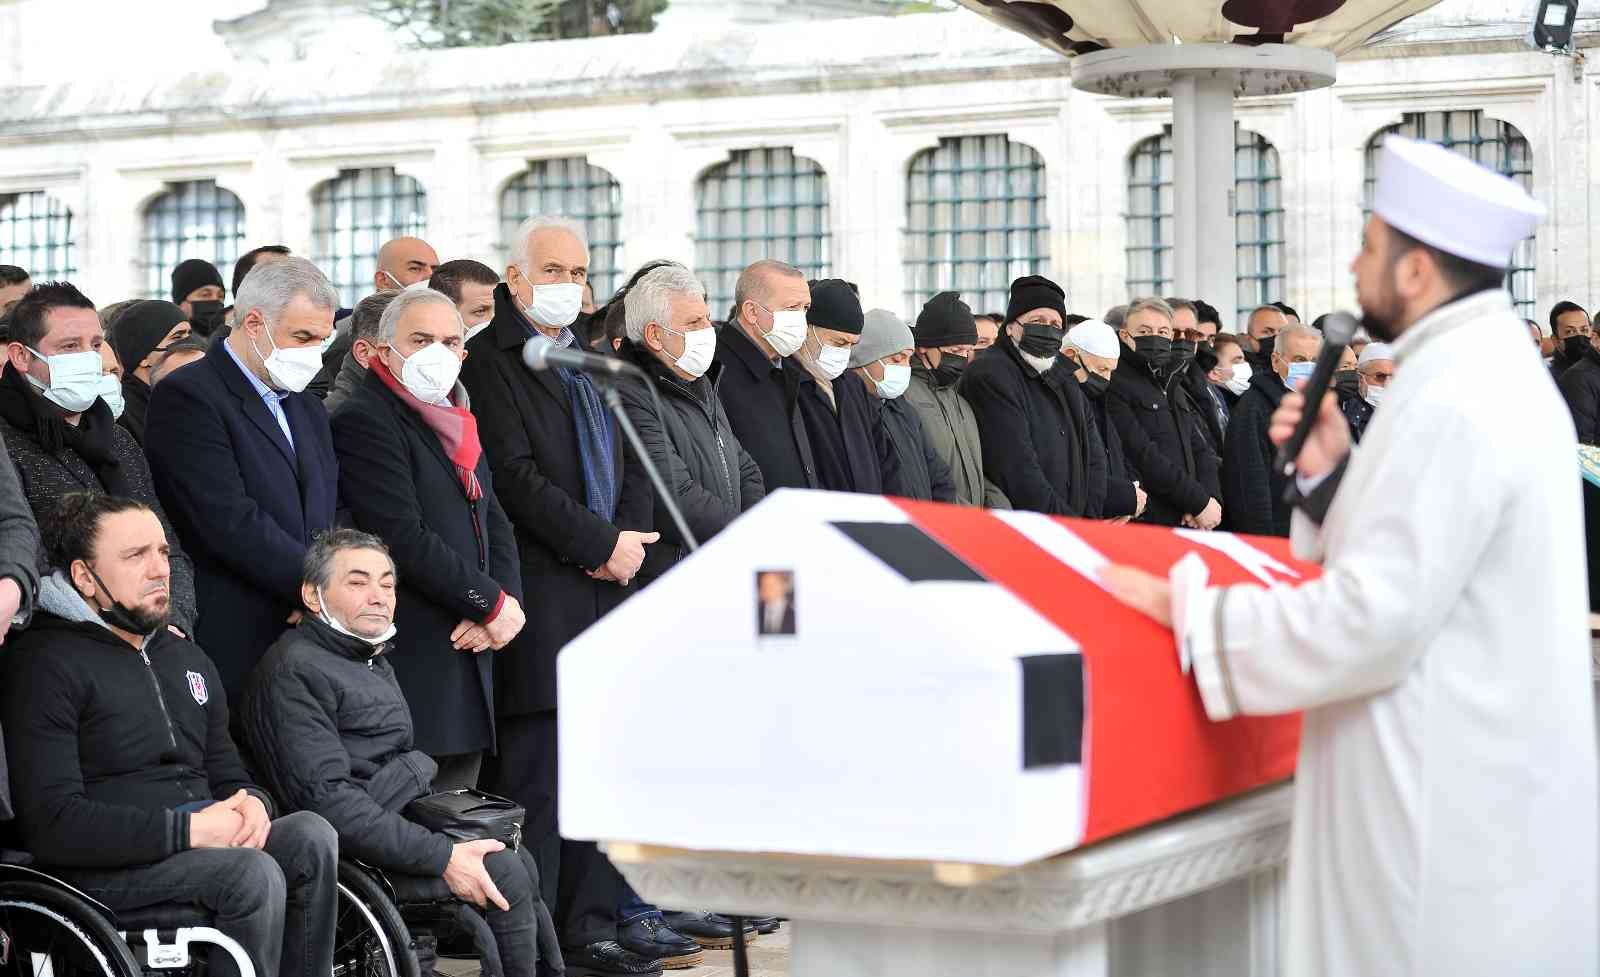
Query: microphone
[540,353]
[1337,331]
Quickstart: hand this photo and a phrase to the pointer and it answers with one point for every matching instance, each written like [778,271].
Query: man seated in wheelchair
[326,720]
[125,781]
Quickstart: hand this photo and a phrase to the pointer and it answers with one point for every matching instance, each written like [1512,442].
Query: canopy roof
[1084,26]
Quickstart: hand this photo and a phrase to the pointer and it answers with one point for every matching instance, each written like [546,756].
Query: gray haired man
[687,431]
[243,461]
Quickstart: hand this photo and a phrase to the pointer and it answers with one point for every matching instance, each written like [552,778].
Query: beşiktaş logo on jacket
[197,687]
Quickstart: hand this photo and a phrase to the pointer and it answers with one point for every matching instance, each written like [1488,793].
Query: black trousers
[278,903]
[519,939]
[580,885]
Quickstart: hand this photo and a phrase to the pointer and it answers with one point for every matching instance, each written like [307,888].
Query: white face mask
[699,348]
[896,378]
[474,330]
[430,373]
[1240,381]
[333,623]
[111,393]
[1374,395]
[74,379]
[290,369]
[555,306]
[831,360]
[788,332]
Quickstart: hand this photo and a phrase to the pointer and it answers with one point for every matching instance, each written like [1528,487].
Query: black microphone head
[1339,328]
[535,350]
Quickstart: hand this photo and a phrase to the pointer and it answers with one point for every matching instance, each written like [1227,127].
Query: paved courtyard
[769,957]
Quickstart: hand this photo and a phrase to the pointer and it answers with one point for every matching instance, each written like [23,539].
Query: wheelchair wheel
[370,938]
[46,931]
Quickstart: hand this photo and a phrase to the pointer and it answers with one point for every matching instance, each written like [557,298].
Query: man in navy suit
[243,461]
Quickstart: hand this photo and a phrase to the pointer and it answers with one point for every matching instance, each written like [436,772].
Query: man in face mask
[1092,350]
[197,290]
[1227,381]
[121,762]
[243,460]
[1374,368]
[689,435]
[1580,382]
[404,261]
[144,331]
[882,361]
[1190,360]
[1252,489]
[58,429]
[1262,327]
[846,442]
[1573,334]
[761,381]
[583,519]
[945,340]
[1040,444]
[1160,424]
[412,471]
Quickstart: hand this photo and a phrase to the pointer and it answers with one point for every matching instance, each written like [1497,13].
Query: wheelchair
[50,929]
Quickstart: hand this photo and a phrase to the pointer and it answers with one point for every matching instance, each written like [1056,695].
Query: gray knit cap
[883,334]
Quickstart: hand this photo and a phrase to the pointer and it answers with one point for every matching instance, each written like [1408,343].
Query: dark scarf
[135,401]
[592,425]
[92,438]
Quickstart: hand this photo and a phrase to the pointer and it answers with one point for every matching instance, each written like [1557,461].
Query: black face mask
[1182,352]
[949,370]
[1040,340]
[1155,349]
[206,316]
[1347,383]
[1574,347]
[1267,344]
[134,620]
[1096,385]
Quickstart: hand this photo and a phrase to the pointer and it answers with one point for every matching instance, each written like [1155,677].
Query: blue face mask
[1299,373]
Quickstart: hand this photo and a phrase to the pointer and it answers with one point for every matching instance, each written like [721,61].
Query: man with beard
[1160,425]
[1091,348]
[1040,445]
[1445,800]
[127,783]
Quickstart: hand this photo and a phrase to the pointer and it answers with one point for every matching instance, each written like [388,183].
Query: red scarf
[456,427]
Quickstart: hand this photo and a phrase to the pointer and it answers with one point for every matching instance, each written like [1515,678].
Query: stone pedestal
[1199,895]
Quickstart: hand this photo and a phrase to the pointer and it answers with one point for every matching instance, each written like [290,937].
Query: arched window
[572,188]
[1258,219]
[353,215]
[1489,142]
[975,220]
[36,234]
[761,203]
[194,219]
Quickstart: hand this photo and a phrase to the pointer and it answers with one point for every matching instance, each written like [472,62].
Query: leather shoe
[707,929]
[607,958]
[649,937]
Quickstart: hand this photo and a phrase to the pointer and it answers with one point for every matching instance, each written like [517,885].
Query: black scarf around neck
[92,438]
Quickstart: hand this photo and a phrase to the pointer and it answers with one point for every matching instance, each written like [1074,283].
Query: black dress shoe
[763,924]
[649,937]
[607,958]
[707,929]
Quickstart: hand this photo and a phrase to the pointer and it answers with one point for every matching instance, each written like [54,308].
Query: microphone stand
[608,384]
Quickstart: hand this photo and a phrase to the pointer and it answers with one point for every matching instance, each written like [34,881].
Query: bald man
[404,261]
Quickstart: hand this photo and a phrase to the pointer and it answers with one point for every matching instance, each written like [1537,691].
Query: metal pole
[1202,190]
[615,403]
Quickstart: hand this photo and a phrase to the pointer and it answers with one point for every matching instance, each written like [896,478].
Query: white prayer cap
[1443,199]
[1375,351]
[1095,338]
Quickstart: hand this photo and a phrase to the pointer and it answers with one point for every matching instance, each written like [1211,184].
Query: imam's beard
[1382,322]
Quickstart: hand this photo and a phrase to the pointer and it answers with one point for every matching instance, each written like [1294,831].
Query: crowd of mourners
[272,570]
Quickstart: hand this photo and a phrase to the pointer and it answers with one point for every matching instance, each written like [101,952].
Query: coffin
[848,675]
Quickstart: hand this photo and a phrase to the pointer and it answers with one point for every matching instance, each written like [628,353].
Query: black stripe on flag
[909,551]
[1052,710]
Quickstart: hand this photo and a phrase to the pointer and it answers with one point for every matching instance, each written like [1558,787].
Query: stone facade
[859,96]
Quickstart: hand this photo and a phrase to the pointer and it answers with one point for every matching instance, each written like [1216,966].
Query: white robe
[1445,808]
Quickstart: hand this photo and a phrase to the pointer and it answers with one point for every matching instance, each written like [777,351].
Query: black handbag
[470,815]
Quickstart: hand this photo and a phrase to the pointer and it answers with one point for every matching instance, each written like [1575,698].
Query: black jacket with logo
[107,743]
